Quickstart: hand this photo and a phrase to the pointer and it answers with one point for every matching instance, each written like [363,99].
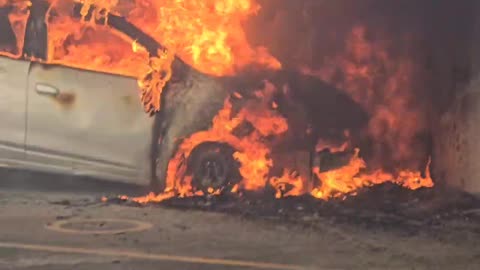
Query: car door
[87,122]
[13,96]
[91,121]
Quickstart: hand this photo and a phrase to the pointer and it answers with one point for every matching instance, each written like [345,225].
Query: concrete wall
[456,110]
[456,151]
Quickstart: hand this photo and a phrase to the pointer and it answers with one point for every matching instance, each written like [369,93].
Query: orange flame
[384,86]
[350,178]
[208,34]
[289,178]
[253,155]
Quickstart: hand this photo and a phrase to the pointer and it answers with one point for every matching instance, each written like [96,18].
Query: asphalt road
[46,223]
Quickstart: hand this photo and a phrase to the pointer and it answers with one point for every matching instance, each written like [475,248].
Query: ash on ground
[385,206]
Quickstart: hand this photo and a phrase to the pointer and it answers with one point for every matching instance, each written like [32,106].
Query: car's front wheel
[213,168]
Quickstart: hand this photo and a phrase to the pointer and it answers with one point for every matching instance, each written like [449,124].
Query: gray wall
[456,96]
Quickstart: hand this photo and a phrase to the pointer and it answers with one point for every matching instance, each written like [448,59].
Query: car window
[49,33]
[8,40]
[13,20]
[76,43]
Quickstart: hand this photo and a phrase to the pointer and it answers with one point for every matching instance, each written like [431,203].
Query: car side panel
[13,89]
[95,123]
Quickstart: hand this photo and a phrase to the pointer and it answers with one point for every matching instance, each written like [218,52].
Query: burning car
[220,124]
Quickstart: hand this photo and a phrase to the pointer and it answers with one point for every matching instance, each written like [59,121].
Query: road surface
[46,224]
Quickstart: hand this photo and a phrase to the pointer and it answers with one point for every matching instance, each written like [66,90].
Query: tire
[212,166]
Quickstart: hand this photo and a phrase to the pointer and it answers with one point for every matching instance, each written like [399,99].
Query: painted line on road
[148,256]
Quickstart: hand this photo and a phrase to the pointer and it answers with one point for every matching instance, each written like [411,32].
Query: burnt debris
[385,206]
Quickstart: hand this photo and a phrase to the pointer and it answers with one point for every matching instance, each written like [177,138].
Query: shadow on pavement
[18,180]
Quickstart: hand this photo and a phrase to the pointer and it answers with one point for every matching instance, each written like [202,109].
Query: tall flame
[384,85]
[208,34]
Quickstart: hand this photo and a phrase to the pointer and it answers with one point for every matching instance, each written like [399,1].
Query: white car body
[67,120]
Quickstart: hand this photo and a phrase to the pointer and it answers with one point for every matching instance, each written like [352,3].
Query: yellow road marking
[148,256]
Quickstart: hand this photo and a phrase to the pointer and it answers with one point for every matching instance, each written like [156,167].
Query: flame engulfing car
[62,119]
[70,120]
[211,133]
